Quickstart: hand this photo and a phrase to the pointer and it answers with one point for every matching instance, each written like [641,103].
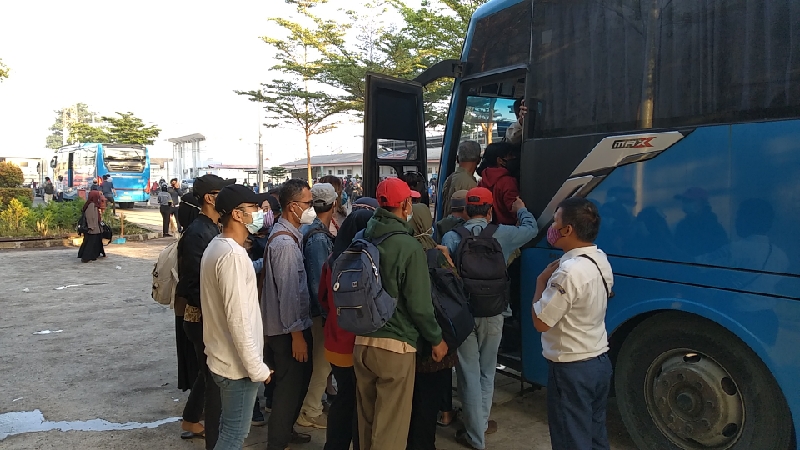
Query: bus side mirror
[54,162]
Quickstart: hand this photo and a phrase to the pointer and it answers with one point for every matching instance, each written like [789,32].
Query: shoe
[300,438]
[167,235]
[491,428]
[461,438]
[258,417]
[321,421]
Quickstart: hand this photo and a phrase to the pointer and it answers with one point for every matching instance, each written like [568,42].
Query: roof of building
[354,159]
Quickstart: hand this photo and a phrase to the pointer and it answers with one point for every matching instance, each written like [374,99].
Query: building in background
[349,164]
[33,169]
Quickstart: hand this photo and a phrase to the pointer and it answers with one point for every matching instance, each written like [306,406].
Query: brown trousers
[384,391]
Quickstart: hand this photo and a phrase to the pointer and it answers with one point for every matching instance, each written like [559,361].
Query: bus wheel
[125,205]
[684,382]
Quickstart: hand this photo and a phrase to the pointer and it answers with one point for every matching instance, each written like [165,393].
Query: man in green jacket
[384,361]
[468,156]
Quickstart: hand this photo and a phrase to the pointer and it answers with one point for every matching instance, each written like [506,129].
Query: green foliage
[277,173]
[23,195]
[84,132]
[10,175]
[76,114]
[13,218]
[129,129]
[3,71]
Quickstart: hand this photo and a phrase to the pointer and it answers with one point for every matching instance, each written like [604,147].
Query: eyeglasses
[309,203]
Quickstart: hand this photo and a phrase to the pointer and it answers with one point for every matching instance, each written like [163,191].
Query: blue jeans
[477,363]
[237,398]
[577,400]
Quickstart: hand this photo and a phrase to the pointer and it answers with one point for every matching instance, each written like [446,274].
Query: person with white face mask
[232,328]
[286,313]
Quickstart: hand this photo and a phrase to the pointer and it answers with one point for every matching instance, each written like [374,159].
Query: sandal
[192,435]
[440,418]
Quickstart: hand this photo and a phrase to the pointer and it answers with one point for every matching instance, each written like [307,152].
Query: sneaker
[321,421]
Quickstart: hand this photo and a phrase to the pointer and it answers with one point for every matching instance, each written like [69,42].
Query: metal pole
[260,176]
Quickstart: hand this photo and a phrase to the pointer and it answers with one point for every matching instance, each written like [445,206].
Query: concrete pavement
[110,354]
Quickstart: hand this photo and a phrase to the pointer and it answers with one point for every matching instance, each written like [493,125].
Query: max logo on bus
[633,143]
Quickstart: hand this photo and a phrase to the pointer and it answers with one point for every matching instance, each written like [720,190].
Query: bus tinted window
[620,65]
[501,39]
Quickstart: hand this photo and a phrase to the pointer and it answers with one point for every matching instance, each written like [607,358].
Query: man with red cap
[384,361]
[477,356]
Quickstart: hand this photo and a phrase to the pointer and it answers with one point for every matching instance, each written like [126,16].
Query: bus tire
[684,382]
[125,205]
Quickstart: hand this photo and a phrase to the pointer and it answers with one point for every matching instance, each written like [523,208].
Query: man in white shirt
[232,329]
[569,309]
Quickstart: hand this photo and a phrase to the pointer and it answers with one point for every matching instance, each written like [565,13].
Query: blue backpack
[362,305]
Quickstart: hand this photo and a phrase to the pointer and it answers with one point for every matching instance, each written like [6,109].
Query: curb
[67,242]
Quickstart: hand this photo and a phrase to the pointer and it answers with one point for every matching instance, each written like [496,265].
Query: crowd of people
[263,291]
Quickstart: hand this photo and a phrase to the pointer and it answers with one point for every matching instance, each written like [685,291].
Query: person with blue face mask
[232,326]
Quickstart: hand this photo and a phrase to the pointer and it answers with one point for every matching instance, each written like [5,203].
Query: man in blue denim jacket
[477,356]
[317,246]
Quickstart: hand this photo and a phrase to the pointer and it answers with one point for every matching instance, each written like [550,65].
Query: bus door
[394,130]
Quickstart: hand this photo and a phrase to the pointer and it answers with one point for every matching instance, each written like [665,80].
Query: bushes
[24,195]
[10,175]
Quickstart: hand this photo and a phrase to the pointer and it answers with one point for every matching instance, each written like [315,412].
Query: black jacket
[193,243]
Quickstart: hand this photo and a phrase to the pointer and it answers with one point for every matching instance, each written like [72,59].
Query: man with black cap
[195,239]
[233,332]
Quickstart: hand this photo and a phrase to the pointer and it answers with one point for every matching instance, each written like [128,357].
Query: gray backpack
[362,305]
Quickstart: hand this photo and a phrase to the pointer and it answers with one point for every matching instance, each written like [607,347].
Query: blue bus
[681,121]
[127,164]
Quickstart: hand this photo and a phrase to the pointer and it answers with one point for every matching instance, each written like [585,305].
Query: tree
[10,175]
[295,105]
[75,114]
[84,132]
[3,71]
[129,129]
[276,173]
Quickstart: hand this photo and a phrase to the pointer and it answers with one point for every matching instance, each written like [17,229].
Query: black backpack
[83,225]
[449,302]
[482,267]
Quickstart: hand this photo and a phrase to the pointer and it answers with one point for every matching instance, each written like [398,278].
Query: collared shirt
[284,296]
[573,305]
[459,180]
[509,237]
[175,194]
[316,249]
[232,330]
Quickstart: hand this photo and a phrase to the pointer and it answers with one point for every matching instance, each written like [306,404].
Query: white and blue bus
[681,120]
[127,164]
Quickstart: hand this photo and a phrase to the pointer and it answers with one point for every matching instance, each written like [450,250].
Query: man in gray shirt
[286,314]
[176,193]
[109,192]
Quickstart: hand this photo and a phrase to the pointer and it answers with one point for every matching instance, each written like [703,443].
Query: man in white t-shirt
[233,332]
[569,309]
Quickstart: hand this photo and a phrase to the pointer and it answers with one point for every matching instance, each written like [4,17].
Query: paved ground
[110,355]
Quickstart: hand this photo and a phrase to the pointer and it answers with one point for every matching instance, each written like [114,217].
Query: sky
[174,63]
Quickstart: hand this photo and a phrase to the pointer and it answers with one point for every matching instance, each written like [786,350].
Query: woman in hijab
[433,384]
[92,246]
[342,424]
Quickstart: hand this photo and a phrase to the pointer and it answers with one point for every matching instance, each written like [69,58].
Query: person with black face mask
[497,176]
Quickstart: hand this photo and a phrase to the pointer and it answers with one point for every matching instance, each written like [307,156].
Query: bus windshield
[124,159]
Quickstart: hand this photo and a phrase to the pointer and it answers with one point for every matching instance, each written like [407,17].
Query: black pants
[342,418]
[165,211]
[425,405]
[291,380]
[577,399]
[205,393]
[110,202]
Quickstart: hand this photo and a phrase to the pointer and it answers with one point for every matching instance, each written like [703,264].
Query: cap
[230,197]
[323,194]
[458,199]
[366,203]
[479,196]
[190,199]
[210,183]
[393,191]
[693,193]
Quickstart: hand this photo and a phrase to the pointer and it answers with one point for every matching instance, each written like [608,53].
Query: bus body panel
[130,186]
[81,164]
[748,175]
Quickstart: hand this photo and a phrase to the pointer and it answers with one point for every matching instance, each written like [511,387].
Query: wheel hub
[694,401]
